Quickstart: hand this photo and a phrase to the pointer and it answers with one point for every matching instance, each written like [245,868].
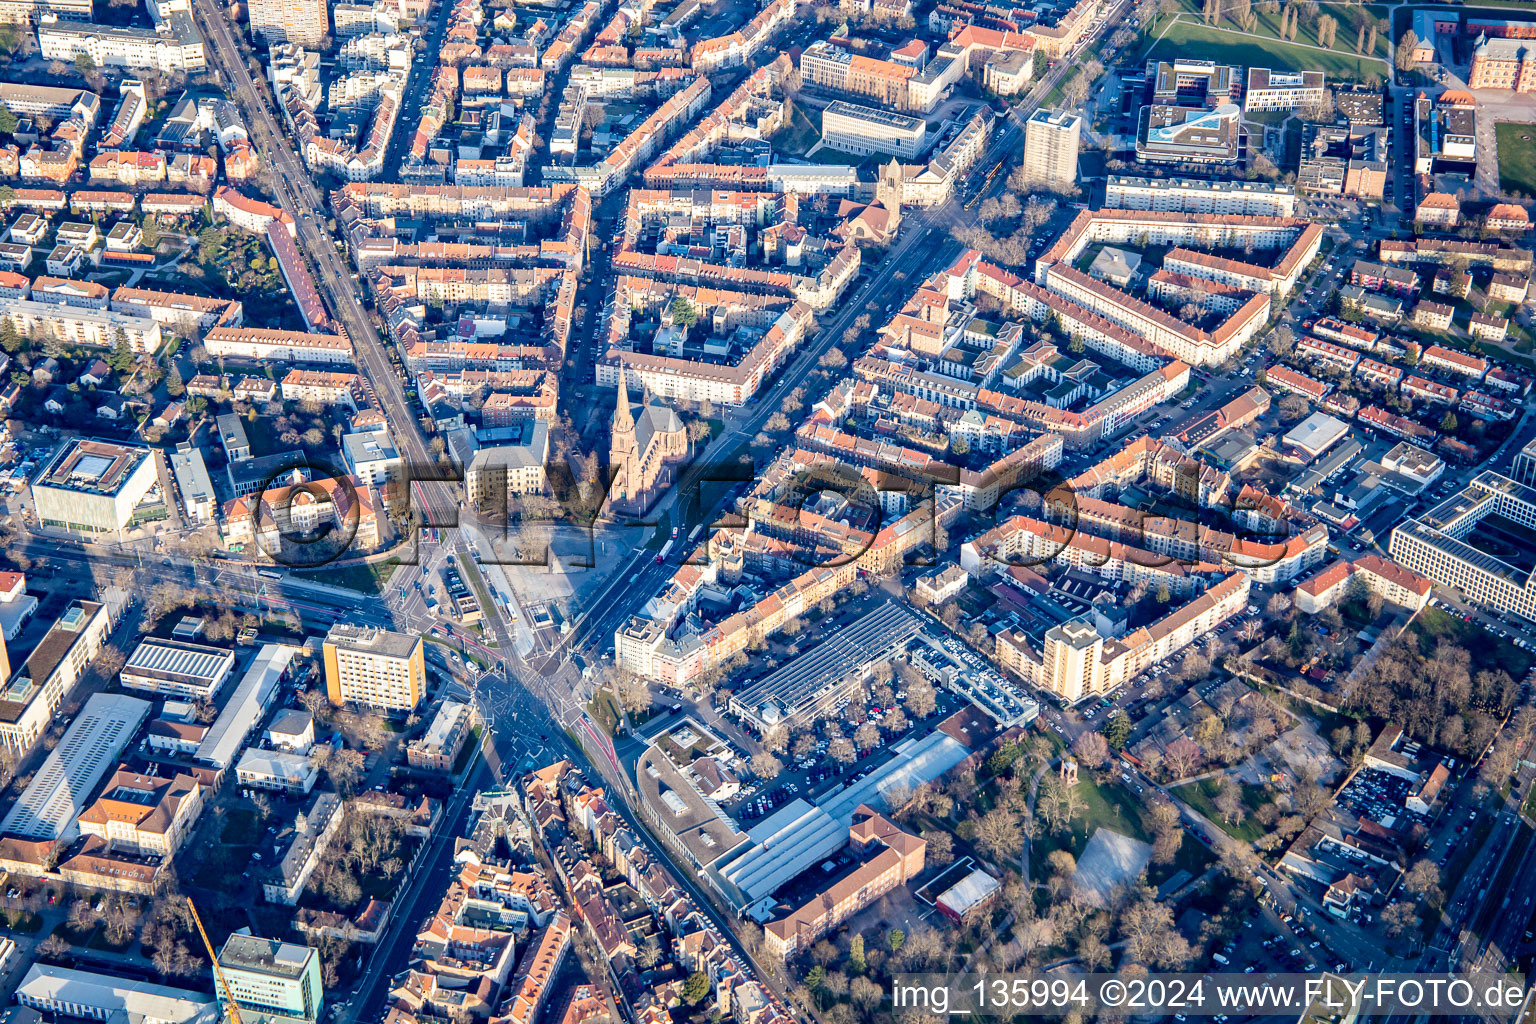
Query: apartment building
[271,345]
[193,483]
[531,986]
[36,690]
[1190,195]
[1377,277]
[1056,31]
[172,45]
[77,325]
[52,102]
[21,12]
[301,22]
[1434,315]
[1487,327]
[1452,361]
[1051,141]
[1438,210]
[1078,663]
[438,748]
[374,667]
[327,387]
[1508,288]
[891,83]
[1369,574]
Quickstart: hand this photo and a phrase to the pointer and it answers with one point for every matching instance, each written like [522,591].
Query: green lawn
[1199,42]
[800,132]
[604,711]
[241,832]
[471,748]
[367,579]
[1110,806]
[1348,15]
[22,921]
[1202,797]
[471,573]
[1431,624]
[1517,157]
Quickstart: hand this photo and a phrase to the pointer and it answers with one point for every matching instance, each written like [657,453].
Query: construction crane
[218,972]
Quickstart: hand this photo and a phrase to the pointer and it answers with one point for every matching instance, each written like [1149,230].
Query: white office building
[1282,90]
[862,131]
[276,770]
[271,976]
[199,503]
[1436,544]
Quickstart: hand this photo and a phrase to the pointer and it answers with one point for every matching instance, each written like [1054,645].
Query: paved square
[1110,859]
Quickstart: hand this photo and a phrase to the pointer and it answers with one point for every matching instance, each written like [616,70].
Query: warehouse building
[246,706]
[66,992]
[179,669]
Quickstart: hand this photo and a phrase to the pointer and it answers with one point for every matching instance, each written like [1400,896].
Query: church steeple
[623,419]
[890,192]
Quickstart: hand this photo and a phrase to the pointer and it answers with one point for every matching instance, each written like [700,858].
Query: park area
[1109,806]
[1345,41]
[1517,157]
[1193,41]
[1204,795]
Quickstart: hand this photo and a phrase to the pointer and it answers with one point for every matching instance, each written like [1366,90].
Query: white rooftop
[1317,433]
[174,660]
[969,891]
[246,706]
[780,847]
[276,764]
[142,1003]
[47,808]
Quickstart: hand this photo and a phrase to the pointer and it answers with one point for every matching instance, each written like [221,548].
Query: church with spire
[648,440]
[875,223]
